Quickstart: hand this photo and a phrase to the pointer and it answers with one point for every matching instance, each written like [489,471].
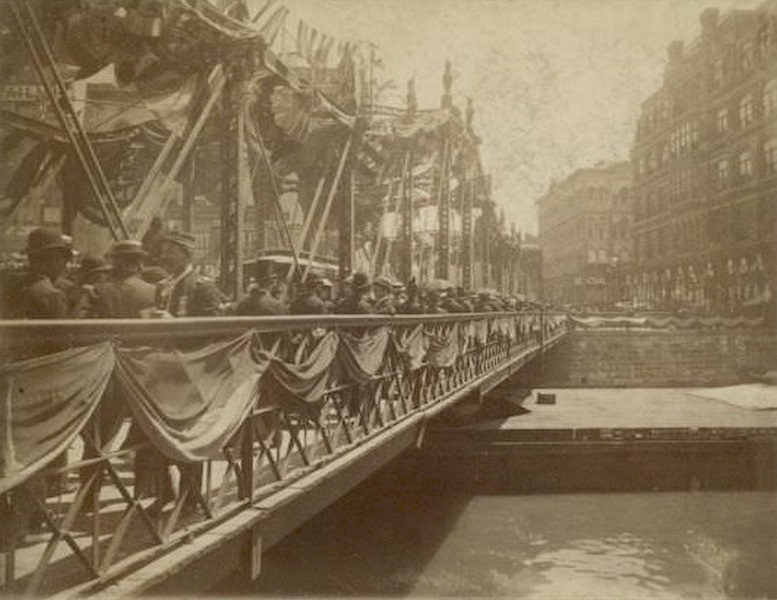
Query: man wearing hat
[384,296]
[452,302]
[125,295]
[36,296]
[92,270]
[433,303]
[189,294]
[357,302]
[311,300]
[259,301]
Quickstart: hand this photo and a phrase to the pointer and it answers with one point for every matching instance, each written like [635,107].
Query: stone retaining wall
[647,358]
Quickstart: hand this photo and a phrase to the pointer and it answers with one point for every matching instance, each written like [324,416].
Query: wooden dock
[612,440]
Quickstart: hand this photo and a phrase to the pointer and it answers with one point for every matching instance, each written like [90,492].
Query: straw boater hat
[43,240]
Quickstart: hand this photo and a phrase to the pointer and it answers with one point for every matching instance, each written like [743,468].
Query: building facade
[705,171]
[584,236]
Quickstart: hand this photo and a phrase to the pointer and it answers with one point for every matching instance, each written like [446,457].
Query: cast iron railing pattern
[105,527]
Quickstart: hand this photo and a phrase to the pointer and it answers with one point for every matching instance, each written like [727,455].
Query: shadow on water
[502,521]
[334,554]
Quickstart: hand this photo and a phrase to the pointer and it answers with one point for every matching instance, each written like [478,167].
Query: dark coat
[36,297]
[384,306]
[203,298]
[261,304]
[453,305]
[354,305]
[123,298]
[309,303]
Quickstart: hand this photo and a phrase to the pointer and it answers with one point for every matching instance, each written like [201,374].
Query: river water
[379,541]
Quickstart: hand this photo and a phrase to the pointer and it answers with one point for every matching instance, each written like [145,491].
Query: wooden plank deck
[646,408]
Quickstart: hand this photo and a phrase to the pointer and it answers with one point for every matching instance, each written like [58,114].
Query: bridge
[259,423]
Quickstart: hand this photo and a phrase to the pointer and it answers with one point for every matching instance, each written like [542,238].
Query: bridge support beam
[237,542]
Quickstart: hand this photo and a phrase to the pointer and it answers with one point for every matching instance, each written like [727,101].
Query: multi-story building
[705,170]
[584,236]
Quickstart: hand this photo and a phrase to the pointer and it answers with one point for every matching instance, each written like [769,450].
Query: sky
[556,84]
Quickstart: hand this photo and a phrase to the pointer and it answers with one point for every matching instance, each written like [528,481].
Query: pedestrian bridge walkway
[171,452]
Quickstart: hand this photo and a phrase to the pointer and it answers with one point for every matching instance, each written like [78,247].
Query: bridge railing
[126,438]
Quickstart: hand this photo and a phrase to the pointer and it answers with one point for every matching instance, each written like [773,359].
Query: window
[674,146]
[717,73]
[764,41]
[682,137]
[722,172]
[665,154]
[694,133]
[746,110]
[722,122]
[746,56]
[770,156]
[770,97]
[745,165]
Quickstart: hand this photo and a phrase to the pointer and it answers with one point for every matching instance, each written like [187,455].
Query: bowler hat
[184,240]
[127,248]
[44,239]
[360,281]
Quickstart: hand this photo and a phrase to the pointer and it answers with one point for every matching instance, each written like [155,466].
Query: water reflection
[659,545]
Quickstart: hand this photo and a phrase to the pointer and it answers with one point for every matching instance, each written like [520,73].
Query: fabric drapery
[667,322]
[443,346]
[362,356]
[305,382]
[190,403]
[412,344]
[478,330]
[46,402]
[505,327]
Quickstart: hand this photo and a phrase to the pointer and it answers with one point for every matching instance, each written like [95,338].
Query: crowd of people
[156,278]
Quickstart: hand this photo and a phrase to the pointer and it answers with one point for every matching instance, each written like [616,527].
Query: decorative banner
[362,356]
[413,345]
[190,403]
[45,402]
